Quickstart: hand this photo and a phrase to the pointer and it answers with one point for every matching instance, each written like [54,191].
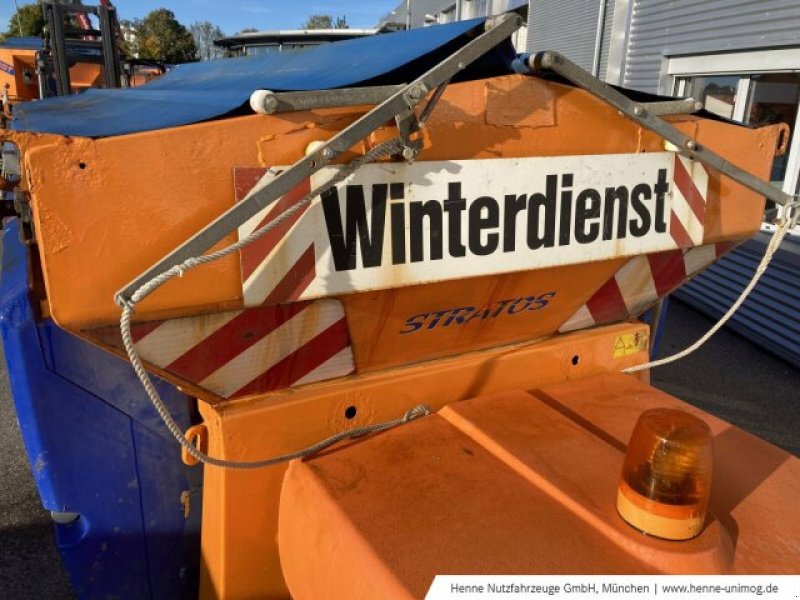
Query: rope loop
[774,243]
[125,304]
[128,306]
[423,410]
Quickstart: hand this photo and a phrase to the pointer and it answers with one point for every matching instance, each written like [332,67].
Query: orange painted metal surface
[85,75]
[23,83]
[385,339]
[18,75]
[240,508]
[753,482]
[107,209]
[100,222]
[519,482]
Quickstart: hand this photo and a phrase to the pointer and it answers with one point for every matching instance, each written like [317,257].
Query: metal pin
[270,103]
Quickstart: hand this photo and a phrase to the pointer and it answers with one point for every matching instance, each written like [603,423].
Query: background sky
[234,15]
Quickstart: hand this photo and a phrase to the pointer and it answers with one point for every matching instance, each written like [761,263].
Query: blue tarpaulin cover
[200,91]
[22,43]
[36,43]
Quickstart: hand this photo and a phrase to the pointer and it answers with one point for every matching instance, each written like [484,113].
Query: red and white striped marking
[641,282]
[688,214]
[260,259]
[243,352]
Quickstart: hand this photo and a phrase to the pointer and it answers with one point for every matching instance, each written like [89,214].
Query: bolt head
[638,110]
[328,153]
[409,153]
[691,145]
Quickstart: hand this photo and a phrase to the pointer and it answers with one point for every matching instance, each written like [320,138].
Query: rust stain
[185,500]
[508,105]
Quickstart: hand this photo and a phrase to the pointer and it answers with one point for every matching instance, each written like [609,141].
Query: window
[758,88]
[471,9]
[259,49]
[256,50]
[717,93]
[774,98]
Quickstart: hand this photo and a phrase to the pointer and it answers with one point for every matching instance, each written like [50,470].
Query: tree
[159,36]
[325,22]
[27,21]
[204,34]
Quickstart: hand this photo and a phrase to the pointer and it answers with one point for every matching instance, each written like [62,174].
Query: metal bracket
[262,195]
[553,61]
[408,124]
[266,102]
[437,94]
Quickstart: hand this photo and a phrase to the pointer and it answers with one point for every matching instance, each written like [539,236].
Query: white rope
[390,147]
[777,237]
[387,148]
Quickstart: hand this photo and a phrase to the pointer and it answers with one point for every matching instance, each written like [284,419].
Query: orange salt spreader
[459,285]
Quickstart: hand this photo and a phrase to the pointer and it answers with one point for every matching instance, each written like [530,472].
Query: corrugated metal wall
[676,27]
[569,26]
[663,28]
[606,41]
[769,316]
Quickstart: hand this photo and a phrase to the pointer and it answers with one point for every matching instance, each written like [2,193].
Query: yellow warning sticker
[629,343]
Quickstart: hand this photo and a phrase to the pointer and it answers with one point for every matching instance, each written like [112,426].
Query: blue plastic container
[101,458]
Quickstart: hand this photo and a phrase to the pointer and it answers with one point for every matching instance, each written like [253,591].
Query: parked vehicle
[73,55]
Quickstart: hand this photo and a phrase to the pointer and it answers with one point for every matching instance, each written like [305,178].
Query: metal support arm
[638,112]
[268,102]
[268,191]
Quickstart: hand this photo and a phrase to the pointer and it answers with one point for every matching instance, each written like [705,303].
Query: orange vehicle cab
[19,79]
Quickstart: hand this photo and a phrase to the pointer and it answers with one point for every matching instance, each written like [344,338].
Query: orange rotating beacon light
[666,478]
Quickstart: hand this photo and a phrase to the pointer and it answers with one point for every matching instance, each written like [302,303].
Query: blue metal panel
[95,450]
[771,315]
[656,329]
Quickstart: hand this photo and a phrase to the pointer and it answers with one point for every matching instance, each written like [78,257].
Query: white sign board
[396,224]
